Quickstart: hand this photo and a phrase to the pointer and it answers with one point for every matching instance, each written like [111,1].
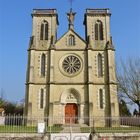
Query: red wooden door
[71,112]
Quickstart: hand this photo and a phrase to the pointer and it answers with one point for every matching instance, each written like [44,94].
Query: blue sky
[16,27]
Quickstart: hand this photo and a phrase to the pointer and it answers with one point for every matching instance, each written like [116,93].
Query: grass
[27,129]
[54,129]
[17,129]
[110,129]
[58,129]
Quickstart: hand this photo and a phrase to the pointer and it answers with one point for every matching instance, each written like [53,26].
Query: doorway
[71,113]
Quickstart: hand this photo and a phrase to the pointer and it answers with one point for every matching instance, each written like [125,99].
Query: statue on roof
[71,16]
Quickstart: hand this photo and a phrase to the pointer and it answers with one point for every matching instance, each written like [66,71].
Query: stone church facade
[71,78]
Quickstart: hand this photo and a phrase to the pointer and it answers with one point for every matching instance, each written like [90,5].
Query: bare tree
[128,76]
[2,101]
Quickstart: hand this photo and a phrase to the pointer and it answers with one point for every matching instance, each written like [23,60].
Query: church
[71,79]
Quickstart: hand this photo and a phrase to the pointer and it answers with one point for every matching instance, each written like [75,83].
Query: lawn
[17,129]
[27,129]
[58,129]
[110,129]
[54,129]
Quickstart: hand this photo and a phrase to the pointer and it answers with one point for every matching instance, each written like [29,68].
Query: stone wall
[99,136]
[19,136]
[15,138]
[116,136]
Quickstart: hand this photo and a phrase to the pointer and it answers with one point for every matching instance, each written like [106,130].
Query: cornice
[38,49]
[110,49]
[96,49]
[67,49]
[76,49]
[76,83]
[98,14]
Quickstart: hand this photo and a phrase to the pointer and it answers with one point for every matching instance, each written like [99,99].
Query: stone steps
[71,128]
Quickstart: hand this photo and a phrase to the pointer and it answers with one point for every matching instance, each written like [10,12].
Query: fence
[23,124]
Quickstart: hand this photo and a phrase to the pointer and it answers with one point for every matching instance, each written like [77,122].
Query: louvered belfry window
[98,30]
[44,31]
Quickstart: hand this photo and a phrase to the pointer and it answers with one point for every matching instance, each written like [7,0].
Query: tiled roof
[1,110]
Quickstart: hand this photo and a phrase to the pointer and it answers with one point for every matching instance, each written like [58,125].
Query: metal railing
[23,124]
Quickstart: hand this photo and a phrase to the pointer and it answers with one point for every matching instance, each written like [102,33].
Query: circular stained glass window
[71,64]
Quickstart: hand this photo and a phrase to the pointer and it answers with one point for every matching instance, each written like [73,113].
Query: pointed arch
[71,95]
[44,30]
[43,62]
[100,65]
[98,30]
[71,40]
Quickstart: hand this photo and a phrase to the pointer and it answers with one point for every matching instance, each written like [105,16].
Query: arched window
[44,31]
[41,99]
[71,40]
[43,62]
[98,30]
[101,99]
[100,65]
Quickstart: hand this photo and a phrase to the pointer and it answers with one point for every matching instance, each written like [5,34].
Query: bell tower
[45,23]
[97,26]
[101,63]
[44,34]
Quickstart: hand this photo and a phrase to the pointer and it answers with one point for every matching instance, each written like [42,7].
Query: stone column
[50,121]
[31,67]
[52,65]
[81,113]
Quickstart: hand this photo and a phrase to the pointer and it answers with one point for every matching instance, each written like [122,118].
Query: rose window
[71,64]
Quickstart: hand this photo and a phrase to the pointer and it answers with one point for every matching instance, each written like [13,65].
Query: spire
[70,16]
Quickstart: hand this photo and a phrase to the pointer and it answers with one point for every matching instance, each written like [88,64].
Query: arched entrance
[71,113]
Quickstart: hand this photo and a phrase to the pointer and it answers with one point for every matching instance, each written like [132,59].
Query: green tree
[124,111]
[135,112]
[11,108]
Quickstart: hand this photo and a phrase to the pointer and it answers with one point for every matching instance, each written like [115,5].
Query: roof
[98,11]
[44,12]
[1,110]
[74,33]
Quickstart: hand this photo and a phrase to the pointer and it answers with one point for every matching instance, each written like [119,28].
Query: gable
[70,40]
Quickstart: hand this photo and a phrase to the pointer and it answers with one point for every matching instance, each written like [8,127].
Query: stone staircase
[71,128]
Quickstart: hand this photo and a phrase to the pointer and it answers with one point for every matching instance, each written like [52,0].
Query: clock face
[71,64]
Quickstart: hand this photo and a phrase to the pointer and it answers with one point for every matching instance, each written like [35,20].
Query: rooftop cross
[71,2]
